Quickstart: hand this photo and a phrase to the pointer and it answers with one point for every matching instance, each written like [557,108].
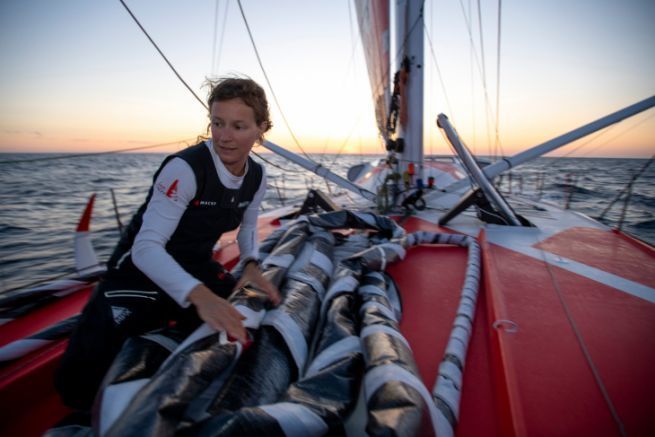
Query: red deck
[569,329]
[581,361]
[578,343]
[430,280]
[29,404]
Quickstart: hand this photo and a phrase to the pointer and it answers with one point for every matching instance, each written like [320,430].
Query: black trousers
[124,304]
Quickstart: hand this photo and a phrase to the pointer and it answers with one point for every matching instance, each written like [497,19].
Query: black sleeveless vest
[214,210]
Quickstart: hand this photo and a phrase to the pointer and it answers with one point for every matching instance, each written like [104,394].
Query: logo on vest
[170,191]
[204,203]
[120,314]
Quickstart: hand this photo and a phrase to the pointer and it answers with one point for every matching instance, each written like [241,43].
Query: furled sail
[373,19]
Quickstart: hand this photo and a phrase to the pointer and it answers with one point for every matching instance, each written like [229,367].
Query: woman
[162,269]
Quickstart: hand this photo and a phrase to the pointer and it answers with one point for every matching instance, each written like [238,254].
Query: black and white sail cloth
[333,339]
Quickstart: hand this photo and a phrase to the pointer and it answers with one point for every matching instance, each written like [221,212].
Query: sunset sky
[79,76]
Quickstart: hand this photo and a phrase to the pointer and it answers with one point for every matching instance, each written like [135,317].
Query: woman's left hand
[253,275]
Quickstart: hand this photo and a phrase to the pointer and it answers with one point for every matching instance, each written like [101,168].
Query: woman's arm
[248,247]
[247,235]
[174,188]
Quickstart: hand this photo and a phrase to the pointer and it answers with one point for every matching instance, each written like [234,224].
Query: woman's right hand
[218,312]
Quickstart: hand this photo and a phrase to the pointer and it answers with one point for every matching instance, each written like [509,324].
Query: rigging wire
[600,134]
[608,129]
[436,65]
[472,80]
[108,152]
[220,44]
[270,86]
[269,162]
[628,189]
[481,36]
[78,155]
[431,81]
[163,56]
[489,112]
[189,88]
[498,146]
[355,45]
[484,70]
[351,65]
[583,346]
[345,142]
[214,38]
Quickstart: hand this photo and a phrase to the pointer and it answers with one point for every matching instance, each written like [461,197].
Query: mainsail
[373,19]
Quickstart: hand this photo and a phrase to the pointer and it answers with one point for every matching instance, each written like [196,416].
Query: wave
[109,180]
[647,224]
[13,230]
[566,188]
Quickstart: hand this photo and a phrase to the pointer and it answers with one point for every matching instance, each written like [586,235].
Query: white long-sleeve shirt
[174,188]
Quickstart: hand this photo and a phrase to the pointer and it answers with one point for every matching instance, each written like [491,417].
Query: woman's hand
[218,312]
[253,275]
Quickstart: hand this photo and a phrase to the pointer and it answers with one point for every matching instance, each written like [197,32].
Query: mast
[409,44]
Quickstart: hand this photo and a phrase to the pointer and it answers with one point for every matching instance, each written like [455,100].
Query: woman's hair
[246,89]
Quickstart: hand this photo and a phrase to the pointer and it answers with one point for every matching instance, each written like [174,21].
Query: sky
[79,76]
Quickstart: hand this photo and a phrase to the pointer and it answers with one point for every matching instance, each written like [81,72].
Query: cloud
[33,133]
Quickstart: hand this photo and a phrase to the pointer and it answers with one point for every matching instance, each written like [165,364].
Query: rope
[163,56]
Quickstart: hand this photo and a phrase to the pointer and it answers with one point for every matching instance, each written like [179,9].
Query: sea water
[42,199]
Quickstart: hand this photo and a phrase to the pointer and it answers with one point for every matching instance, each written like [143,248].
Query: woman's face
[234,132]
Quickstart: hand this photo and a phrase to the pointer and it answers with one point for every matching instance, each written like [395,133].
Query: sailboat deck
[554,351]
[550,353]
[430,280]
[575,363]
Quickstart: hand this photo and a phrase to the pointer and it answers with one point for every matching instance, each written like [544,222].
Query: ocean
[42,199]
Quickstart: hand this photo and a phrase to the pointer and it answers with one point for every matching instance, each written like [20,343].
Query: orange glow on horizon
[631,138]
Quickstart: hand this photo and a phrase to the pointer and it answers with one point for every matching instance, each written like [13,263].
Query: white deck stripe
[523,245]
